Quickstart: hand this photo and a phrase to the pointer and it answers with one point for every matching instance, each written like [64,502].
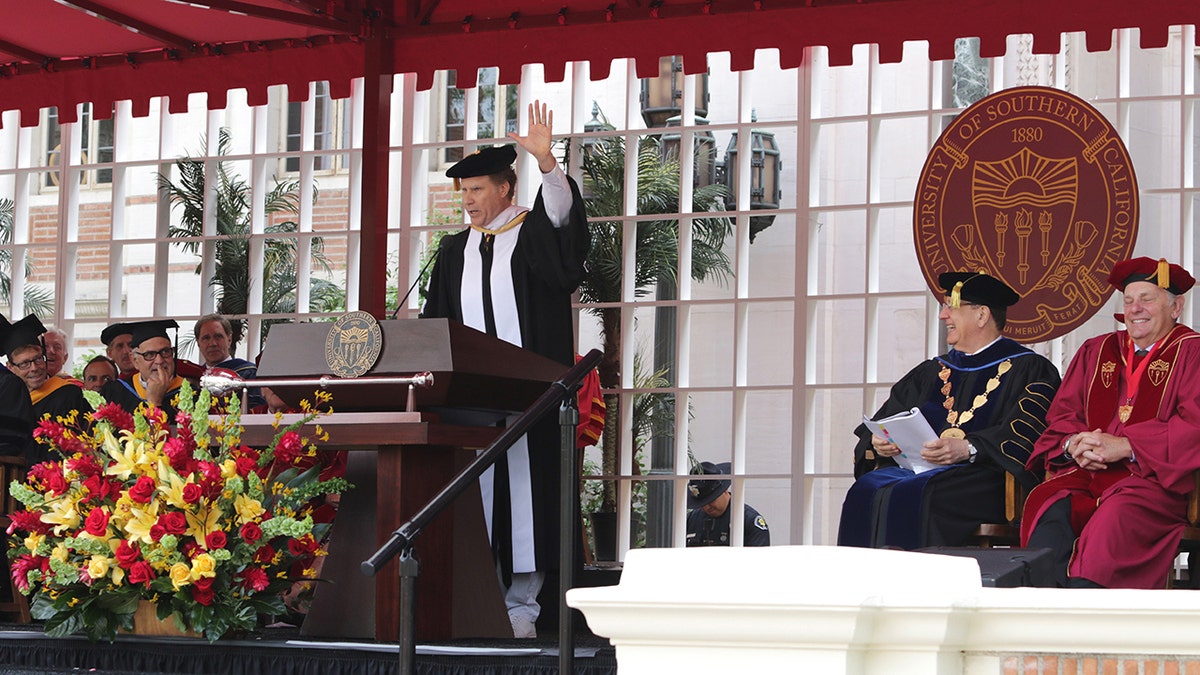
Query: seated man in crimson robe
[1123,441]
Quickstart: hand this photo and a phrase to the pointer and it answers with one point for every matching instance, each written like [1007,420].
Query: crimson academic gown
[546,266]
[890,506]
[1130,516]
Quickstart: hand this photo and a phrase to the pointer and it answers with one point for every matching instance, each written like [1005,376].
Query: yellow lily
[203,520]
[142,518]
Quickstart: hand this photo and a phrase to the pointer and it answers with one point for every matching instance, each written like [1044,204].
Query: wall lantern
[765,166]
[662,96]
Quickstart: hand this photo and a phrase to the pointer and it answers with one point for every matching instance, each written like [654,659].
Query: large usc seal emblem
[1035,187]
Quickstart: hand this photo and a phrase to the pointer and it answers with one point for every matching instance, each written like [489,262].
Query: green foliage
[231,276]
[38,299]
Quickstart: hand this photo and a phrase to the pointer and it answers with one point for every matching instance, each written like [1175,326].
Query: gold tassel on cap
[1164,273]
[956,295]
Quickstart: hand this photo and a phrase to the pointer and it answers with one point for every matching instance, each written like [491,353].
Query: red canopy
[62,52]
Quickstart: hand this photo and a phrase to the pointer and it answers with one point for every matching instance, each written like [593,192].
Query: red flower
[141,573]
[55,483]
[211,482]
[288,448]
[28,521]
[84,465]
[215,540]
[157,532]
[192,493]
[255,579]
[127,554]
[142,490]
[115,415]
[96,523]
[264,555]
[22,565]
[245,465]
[174,522]
[179,454]
[202,591]
[98,488]
[191,549]
[303,546]
[250,532]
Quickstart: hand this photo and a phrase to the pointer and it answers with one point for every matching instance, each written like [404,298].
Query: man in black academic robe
[986,398]
[155,381]
[511,275]
[16,411]
[57,397]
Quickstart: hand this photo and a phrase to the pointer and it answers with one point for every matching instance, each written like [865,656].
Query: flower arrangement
[183,516]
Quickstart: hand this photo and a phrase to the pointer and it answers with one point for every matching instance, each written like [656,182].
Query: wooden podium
[402,460]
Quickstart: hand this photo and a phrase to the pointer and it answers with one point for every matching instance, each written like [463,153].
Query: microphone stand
[401,543]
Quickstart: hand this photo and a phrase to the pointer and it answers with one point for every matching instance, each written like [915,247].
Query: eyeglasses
[946,305]
[166,354]
[26,365]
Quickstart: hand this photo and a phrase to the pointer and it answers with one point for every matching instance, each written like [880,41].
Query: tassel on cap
[1164,273]
[956,295]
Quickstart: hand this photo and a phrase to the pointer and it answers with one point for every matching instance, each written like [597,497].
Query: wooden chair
[13,605]
[1190,543]
[1007,533]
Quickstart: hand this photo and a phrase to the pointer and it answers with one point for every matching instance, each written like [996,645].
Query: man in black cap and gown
[708,519]
[155,381]
[511,275]
[986,399]
[54,396]
[16,410]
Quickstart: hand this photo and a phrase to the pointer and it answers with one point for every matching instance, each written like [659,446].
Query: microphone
[424,268]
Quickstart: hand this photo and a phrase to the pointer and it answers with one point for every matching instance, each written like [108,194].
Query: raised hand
[537,142]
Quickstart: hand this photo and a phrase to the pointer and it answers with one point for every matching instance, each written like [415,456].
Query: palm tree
[231,276]
[38,299]
[656,254]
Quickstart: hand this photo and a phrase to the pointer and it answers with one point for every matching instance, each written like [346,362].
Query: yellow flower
[124,458]
[203,565]
[203,520]
[228,469]
[60,552]
[118,575]
[62,513]
[247,508]
[98,566]
[142,518]
[172,488]
[180,575]
[34,540]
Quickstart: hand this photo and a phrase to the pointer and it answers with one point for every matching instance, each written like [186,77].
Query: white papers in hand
[910,431]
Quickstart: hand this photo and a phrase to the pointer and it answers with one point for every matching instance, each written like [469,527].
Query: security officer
[708,520]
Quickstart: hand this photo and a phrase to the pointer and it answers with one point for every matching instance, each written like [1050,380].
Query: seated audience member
[99,371]
[708,518]
[57,352]
[214,337]
[1123,441]
[116,345]
[156,381]
[986,398]
[16,410]
[54,397]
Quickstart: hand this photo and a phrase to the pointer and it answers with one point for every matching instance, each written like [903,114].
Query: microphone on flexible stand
[424,268]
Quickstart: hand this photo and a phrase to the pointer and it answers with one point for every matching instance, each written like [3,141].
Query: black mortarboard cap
[21,333]
[115,330]
[144,330]
[483,162]
[701,492]
[1159,272]
[979,288]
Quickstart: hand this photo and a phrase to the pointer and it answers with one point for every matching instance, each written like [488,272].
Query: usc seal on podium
[1033,186]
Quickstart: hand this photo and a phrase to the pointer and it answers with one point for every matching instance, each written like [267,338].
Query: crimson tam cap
[1159,272]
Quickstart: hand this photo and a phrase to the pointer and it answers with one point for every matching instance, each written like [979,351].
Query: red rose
[174,522]
[245,465]
[127,554]
[96,523]
[202,591]
[255,579]
[215,540]
[264,555]
[250,532]
[142,490]
[303,546]
[54,482]
[191,549]
[156,532]
[192,493]
[141,573]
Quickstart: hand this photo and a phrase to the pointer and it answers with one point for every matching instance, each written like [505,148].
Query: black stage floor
[282,651]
